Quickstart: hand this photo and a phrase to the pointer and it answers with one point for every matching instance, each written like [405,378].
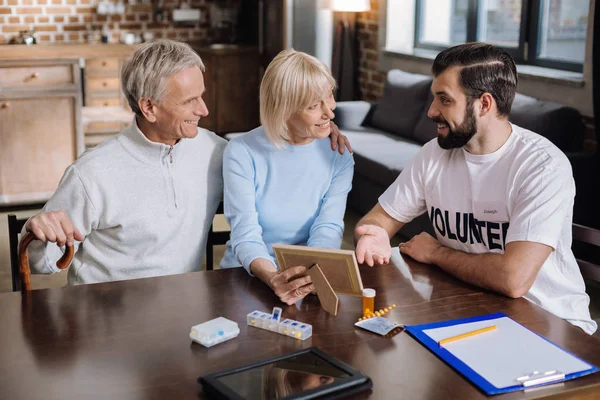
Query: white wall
[312,28]
[400,30]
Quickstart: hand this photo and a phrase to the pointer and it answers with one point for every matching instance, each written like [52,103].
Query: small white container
[272,322]
[304,331]
[253,317]
[263,321]
[214,331]
[284,326]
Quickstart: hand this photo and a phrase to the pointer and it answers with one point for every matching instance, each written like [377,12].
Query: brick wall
[72,21]
[370,79]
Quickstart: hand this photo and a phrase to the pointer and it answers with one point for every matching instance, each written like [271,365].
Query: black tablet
[306,374]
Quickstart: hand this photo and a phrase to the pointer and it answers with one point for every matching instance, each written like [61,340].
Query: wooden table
[129,340]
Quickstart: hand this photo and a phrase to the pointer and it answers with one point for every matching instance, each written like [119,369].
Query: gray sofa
[386,135]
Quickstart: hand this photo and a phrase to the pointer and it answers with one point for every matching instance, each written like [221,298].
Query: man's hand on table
[55,227]
[421,247]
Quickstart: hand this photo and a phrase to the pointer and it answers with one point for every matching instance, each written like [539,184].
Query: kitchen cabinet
[40,128]
[102,88]
[232,84]
[42,90]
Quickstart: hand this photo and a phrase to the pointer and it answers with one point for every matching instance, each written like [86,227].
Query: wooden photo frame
[338,266]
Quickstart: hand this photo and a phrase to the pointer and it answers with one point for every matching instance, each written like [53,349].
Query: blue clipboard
[493,361]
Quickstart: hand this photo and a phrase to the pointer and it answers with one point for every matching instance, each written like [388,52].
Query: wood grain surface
[129,340]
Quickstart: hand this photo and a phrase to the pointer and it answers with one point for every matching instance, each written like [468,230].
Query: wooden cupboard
[42,91]
[102,88]
[40,128]
[232,82]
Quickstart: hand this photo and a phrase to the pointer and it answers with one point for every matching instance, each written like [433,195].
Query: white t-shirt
[524,191]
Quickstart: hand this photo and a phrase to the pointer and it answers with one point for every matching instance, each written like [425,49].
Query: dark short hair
[484,68]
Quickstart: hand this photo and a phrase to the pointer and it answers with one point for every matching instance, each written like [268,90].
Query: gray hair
[146,73]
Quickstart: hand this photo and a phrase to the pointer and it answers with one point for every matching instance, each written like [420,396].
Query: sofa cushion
[352,114]
[380,156]
[404,97]
[560,124]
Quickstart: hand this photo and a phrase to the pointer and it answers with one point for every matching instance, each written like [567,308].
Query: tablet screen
[279,379]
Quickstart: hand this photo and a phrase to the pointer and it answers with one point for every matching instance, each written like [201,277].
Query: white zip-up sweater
[144,208]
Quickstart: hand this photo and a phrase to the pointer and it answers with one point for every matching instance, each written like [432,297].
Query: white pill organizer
[214,331]
[272,322]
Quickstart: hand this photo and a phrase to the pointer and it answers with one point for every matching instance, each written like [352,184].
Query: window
[547,33]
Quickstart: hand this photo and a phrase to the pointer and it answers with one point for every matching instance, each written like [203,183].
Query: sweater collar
[136,143]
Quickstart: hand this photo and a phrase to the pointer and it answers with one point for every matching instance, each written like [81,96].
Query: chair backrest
[15,226]
[588,256]
[215,238]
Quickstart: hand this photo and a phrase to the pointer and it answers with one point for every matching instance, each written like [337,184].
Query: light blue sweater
[296,195]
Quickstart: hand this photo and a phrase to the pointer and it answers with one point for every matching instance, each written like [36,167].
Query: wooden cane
[24,270]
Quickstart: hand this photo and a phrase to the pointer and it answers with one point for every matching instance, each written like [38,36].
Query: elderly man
[500,197]
[141,203]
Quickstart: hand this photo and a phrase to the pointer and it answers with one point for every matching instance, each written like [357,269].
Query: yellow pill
[367,311]
[285,331]
[194,332]
[360,319]
[393,306]
[377,313]
[386,309]
[298,334]
[252,321]
[381,311]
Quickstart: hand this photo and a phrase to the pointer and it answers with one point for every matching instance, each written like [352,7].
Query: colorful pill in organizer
[287,327]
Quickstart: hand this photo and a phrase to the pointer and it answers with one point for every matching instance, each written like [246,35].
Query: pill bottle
[368,296]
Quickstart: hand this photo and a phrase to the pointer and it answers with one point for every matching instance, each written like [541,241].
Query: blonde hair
[274,383]
[292,81]
[145,75]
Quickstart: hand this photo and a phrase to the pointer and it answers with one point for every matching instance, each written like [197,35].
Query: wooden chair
[19,260]
[14,229]
[215,238]
[586,246]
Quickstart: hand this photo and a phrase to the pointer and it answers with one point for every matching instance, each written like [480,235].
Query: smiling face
[452,111]
[313,121]
[176,116]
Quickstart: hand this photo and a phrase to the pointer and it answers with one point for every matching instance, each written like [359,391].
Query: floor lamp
[345,48]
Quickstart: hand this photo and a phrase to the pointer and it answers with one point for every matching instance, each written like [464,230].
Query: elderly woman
[283,183]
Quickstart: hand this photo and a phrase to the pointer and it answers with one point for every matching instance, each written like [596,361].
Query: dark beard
[462,134]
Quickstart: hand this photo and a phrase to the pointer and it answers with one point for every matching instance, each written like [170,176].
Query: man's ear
[148,108]
[487,104]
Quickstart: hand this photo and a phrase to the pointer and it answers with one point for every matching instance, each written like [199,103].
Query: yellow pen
[464,335]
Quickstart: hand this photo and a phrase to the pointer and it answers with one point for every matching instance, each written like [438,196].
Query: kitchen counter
[85,50]
[61,51]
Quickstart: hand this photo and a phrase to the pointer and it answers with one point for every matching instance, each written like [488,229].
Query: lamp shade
[351,5]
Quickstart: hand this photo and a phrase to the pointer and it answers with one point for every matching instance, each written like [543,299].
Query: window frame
[529,34]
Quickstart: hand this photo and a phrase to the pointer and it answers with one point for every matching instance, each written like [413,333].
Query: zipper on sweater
[170,169]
